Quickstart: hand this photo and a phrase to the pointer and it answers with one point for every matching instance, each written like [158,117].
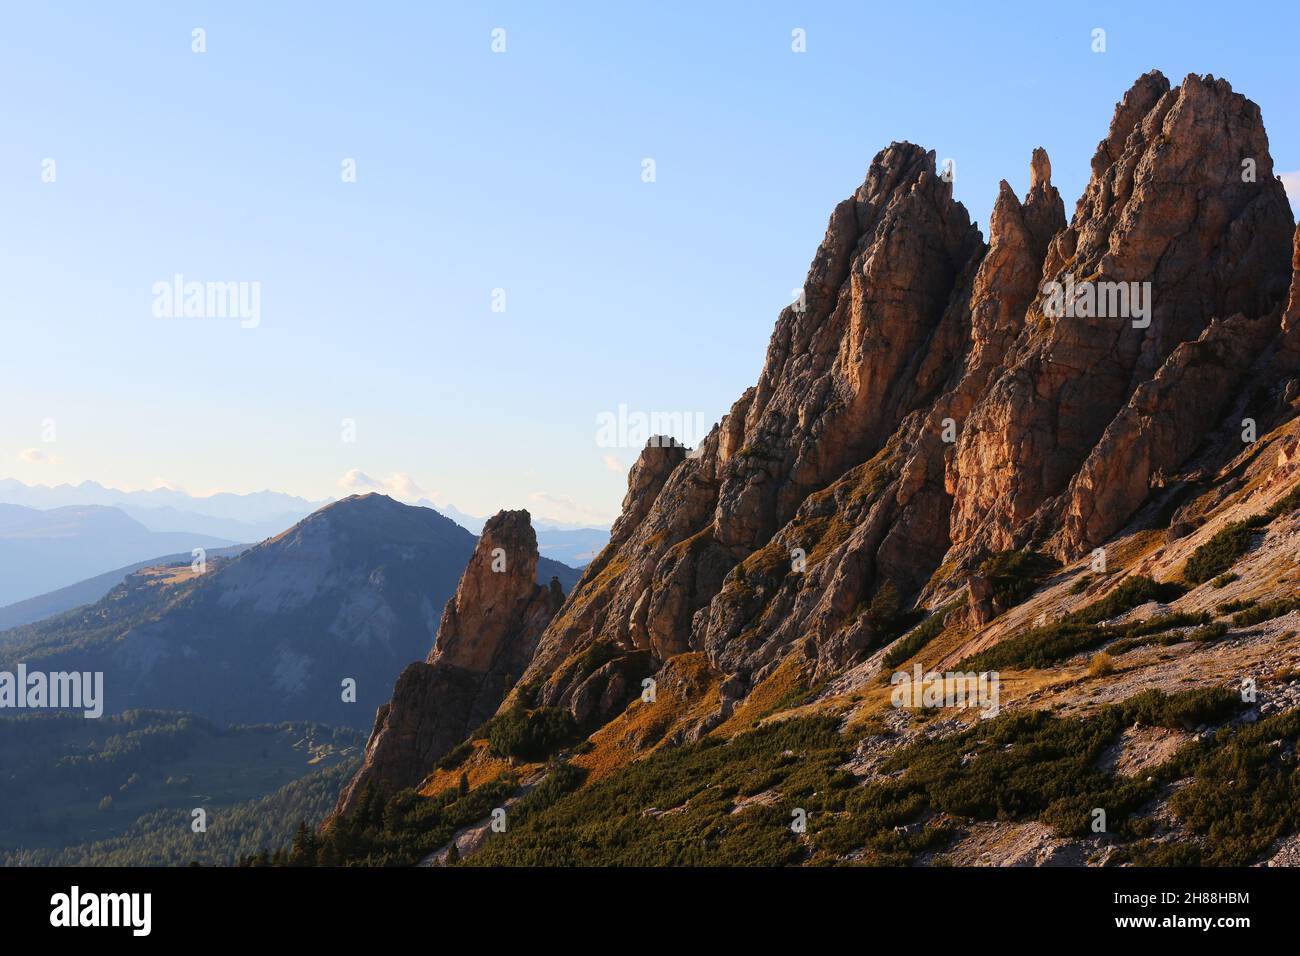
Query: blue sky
[479,171]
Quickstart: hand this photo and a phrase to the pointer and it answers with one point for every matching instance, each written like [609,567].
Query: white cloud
[358,482]
[613,464]
[1291,183]
[403,486]
[400,486]
[34,456]
[564,508]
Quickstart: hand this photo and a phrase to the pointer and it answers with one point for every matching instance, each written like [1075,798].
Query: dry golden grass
[480,767]
[1013,687]
[1129,550]
[1101,665]
[788,678]
[167,577]
[686,692]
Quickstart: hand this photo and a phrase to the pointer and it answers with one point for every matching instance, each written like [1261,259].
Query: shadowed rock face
[871,347]
[488,633]
[923,409]
[873,341]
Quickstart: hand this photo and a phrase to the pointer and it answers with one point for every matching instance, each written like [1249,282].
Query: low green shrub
[1265,612]
[530,734]
[1218,554]
[1209,632]
[1082,630]
[1081,585]
[1132,592]
[1167,622]
[456,757]
[1039,646]
[1221,552]
[919,636]
[1015,575]
[730,802]
[1231,607]
[1244,795]
[1284,505]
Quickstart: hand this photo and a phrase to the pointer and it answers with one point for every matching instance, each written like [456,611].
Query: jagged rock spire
[1169,214]
[488,633]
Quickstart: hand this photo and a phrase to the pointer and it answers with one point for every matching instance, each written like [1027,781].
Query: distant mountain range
[42,551]
[353,591]
[91,589]
[574,544]
[246,518]
[232,518]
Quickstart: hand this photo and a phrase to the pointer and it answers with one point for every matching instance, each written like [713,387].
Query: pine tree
[304,845]
[885,606]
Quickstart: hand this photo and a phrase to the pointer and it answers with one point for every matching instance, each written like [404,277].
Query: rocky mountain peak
[487,636]
[911,328]
[492,601]
[1184,211]
[927,405]
[1040,170]
[645,480]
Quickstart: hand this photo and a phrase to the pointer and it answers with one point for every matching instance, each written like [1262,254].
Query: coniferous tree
[304,845]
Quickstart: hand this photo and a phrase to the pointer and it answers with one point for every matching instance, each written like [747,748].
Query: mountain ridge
[351,592]
[939,468]
[51,549]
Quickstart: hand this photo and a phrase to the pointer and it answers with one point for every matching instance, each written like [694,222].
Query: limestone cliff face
[1290,346]
[842,375]
[488,633]
[923,407]
[491,624]
[873,340]
[1292,319]
[1168,205]
[920,408]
